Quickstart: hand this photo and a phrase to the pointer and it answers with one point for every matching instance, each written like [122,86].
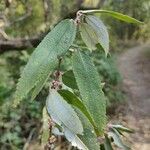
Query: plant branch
[20,43]
[51,139]
[29,139]
[56,84]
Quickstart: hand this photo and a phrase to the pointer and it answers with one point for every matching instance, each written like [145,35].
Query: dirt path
[134,65]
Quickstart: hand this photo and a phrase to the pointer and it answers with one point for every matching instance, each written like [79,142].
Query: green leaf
[102,147]
[62,113]
[89,137]
[75,101]
[107,143]
[100,30]
[114,14]
[90,89]
[69,80]
[87,141]
[88,35]
[117,139]
[122,128]
[44,59]
[45,127]
[75,140]
[37,88]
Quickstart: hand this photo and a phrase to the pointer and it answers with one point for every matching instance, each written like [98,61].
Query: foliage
[90,89]
[10,63]
[55,44]
[109,76]
[24,16]
[30,17]
[139,9]
[28,116]
[44,60]
[16,124]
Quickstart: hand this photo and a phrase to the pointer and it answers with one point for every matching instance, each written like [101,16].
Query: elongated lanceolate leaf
[107,143]
[114,14]
[89,85]
[44,58]
[62,113]
[45,127]
[75,101]
[74,139]
[122,128]
[88,35]
[87,141]
[117,139]
[100,30]
[89,138]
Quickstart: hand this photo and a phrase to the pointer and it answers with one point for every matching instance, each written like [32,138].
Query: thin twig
[56,84]
[29,139]
[51,139]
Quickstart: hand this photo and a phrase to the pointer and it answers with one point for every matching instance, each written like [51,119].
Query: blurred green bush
[110,76]
[15,124]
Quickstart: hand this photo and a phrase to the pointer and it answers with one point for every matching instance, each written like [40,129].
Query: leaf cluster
[76,105]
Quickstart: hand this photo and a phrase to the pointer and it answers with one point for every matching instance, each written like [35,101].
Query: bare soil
[134,66]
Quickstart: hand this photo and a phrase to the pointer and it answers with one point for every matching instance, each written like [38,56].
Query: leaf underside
[76,102]
[100,30]
[88,35]
[117,139]
[86,141]
[122,128]
[62,113]
[89,138]
[70,124]
[75,140]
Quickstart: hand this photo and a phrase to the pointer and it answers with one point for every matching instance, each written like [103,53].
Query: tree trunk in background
[9,44]
[19,43]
